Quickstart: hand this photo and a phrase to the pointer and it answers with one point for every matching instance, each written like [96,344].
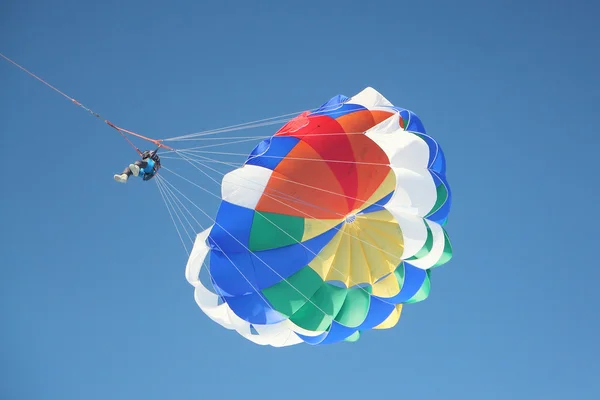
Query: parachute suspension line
[258,137]
[242,139]
[225,138]
[200,160]
[211,160]
[207,160]
[180,206]
[187,210]
[258,123]
[121,131]
[395,256]
[220,144]
[244,246]
[171,199]
[160,189]
[195,136]
[296,240]
[290,236]
[196,159]
[283,196]
[282,157]
[274,193]
[174,202]
[300,243]
[166,184]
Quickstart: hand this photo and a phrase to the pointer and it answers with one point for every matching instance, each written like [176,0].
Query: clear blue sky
[510,89]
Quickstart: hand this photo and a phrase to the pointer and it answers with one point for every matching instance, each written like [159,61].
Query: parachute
[329,227]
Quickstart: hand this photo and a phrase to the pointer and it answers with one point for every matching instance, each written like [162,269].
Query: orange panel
[356,122]
[303,185]
[380,116]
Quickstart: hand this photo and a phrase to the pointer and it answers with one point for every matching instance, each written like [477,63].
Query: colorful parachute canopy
[329,228]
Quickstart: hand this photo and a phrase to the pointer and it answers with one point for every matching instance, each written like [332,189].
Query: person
[147,167]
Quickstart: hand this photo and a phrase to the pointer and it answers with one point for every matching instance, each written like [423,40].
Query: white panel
[244,186]
[404,149]
[369,98]
[414,231]
[437,249]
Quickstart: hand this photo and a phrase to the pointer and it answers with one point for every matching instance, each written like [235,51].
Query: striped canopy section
[330,227]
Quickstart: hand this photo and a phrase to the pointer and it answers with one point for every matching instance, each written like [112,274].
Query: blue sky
[94,302]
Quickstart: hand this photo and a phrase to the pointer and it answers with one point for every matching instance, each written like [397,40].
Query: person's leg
[127,171]
[122,178]
[137,167]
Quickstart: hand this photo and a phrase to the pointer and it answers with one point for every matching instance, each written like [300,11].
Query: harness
[153,166]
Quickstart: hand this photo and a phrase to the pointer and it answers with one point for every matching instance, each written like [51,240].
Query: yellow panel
[366,250]
[381,215]
[387,287]
[315,227]
[341,263]
[391,231]
[391,249]
[322,263]
[359,264]
[392,320]
[386,187]
[379,261]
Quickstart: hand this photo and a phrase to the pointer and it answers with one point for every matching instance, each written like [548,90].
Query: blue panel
[314,340]
[232,224]
[415,124]
[254,309]
[405,114]
[378,312]
[413,280]
[260,148]
[338,333]
[232,273]
[379,205]
[271,151]
[331,104]
[439,162]
[342,110]
[288,260]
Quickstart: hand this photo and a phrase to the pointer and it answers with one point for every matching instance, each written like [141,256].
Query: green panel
[354,337]
[328,299]
[288,297]
[447,254]
[270,231]
[423,292]
[442,196]
[355,308]
[399,272]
